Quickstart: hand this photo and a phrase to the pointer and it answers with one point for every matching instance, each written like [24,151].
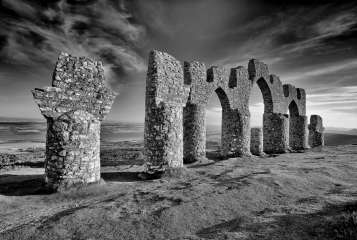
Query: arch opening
[256,107]
[218,103]
[297,128]
[260,104]
[293,109]
[267,96]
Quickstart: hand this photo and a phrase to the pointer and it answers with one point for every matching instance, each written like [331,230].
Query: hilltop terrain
[310,195]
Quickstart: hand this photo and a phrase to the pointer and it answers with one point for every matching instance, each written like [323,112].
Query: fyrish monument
[176,101]
[175,129]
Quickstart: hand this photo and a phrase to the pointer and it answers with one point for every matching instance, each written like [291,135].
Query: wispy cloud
[311,46]
[334,67]
[37,35]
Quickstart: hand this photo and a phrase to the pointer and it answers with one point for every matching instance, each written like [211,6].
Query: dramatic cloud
[308,44]
[36,34]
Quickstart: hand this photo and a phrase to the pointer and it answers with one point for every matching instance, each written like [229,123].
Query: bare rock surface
[311,195]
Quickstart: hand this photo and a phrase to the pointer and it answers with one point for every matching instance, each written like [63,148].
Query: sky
[310,44]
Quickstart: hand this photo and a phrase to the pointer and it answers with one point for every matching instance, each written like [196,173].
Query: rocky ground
[310,195]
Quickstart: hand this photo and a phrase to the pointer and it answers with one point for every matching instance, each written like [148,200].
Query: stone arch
[223,98]
[275,122]
[267,95]
[194,121]
[231,87]
[166,95]
[176,97]
[298,132]
[298,95]
[293,109]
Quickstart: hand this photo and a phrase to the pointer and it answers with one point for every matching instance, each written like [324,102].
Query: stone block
[275,133]
[316,131]
[256,141]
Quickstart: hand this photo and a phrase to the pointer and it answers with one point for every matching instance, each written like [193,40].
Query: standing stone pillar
[256,141]
[74,107]
[235,133]
[166,96]
[73,149]
[298,137]
[194,140]
[316,131]
[275,132]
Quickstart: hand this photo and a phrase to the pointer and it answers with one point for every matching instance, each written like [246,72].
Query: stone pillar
[298,138]
[163,138]
[235,133]
[72,150]
[74,107]
[166,96]
[194,137]
[316,131]
[275,132]
[256,141]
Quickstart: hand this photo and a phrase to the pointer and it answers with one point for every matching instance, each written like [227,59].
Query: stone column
[298,138]
[235,133]
[194,137]
[275,132]
[74,107]
[72,150]
[166,96]
[163,138]
[256,141]
[316,131]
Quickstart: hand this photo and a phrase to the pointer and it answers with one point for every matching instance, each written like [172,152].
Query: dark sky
[311,44]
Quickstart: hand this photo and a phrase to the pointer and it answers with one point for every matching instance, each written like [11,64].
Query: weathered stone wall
[73,149]
[74,106]
[275,123]
[295,104]
[298,133]
[166,96]
[235,133]
[169,89]
[316,131]
[296,95]
[256,142]
[232,88]
[275,132]
[194,147]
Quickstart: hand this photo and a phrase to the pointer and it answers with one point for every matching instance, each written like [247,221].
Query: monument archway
[175,109]
[264,93]
[298,122]
[195,126]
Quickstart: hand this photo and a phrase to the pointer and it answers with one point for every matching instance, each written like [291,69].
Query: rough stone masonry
[176,103]
[316,131]
[74,107]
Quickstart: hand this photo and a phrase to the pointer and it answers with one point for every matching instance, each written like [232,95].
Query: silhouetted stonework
[74,107]
[316,131]
[176,97]
[256,141]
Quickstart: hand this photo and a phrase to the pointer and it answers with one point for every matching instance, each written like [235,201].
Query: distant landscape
[27,133]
